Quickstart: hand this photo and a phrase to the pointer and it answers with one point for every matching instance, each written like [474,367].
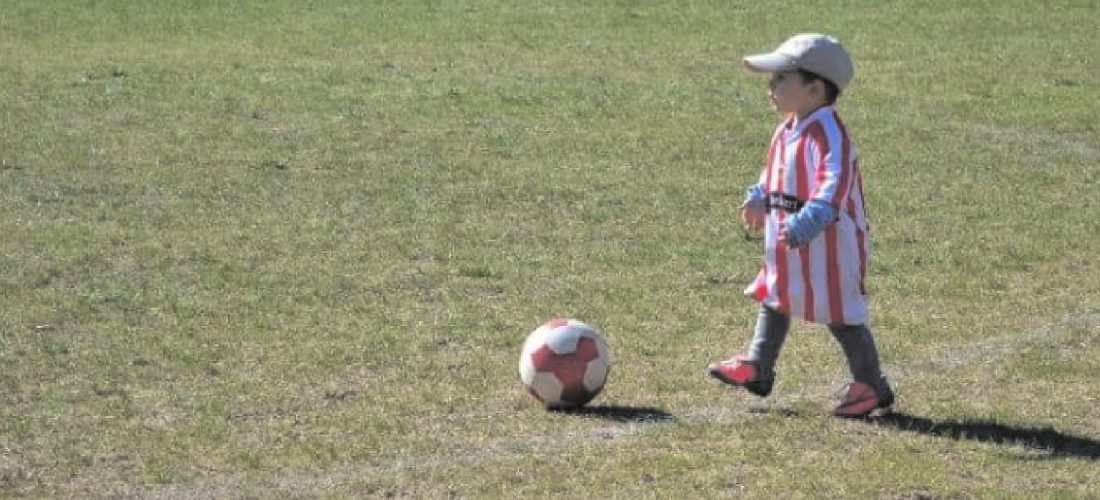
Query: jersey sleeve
[833,165]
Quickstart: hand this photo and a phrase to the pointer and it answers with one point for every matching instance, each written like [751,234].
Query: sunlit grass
[295,248]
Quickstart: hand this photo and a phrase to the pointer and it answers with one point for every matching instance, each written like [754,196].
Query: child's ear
[819,87]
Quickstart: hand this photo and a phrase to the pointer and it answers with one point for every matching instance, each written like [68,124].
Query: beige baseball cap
[821,54]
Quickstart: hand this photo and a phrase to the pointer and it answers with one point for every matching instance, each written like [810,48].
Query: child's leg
[863,360]
[755,371]
[771,331]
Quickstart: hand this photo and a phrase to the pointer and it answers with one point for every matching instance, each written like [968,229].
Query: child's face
[790,94]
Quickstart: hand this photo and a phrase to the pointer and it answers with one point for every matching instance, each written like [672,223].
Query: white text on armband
[784,202]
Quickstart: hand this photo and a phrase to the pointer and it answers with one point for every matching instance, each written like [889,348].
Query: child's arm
[809,222]
[754,209]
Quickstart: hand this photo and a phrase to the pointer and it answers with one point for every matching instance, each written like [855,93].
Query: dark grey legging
[856,340]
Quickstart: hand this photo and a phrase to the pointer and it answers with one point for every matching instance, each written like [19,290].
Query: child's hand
[753,218]
[785,238]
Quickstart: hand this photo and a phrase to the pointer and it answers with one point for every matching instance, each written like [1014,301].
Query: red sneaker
[860,400]
[741,372]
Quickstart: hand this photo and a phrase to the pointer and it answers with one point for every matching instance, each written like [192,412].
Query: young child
[809,201]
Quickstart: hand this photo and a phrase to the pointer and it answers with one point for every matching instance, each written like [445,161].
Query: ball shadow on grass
[616,413]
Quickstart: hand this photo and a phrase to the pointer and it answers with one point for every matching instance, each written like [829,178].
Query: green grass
[293,248]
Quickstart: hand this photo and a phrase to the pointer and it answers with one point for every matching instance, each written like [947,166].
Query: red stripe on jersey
[779,166]
[859,190]
[832,270]
[807,284]
[861,246]
[782,282]
[803,188]
[844,184]
[768,167]
[782,285]
[817,132]
[777,137]
[761,291]
[804,254]
[861,236]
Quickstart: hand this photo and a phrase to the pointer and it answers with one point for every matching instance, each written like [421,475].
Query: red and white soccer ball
[564,363]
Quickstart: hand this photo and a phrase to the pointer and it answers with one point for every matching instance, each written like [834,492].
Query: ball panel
[526,368]
[563,340]
[595,374]
[548,388]
[575,396]
[569,368]
[557,323]
[536,339]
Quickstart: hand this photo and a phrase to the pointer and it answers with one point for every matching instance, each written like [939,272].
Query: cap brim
[769,63]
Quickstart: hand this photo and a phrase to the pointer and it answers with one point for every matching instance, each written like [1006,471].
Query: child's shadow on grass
[621,414]
[1040,438]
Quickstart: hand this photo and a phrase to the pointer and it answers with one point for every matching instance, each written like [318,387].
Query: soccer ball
[564,363]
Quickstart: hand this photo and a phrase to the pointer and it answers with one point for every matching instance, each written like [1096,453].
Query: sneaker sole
[880,408]
[752,387]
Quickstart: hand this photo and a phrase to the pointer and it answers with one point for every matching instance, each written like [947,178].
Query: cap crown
[821,54]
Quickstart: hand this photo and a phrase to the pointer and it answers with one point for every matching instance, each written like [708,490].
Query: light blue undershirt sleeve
[809,222]
[754,197]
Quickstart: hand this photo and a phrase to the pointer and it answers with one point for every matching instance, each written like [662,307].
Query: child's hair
[831,90]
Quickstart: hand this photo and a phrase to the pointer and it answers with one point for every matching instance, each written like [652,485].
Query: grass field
[280,248]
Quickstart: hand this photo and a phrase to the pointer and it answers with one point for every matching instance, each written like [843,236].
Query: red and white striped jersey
[823,281]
